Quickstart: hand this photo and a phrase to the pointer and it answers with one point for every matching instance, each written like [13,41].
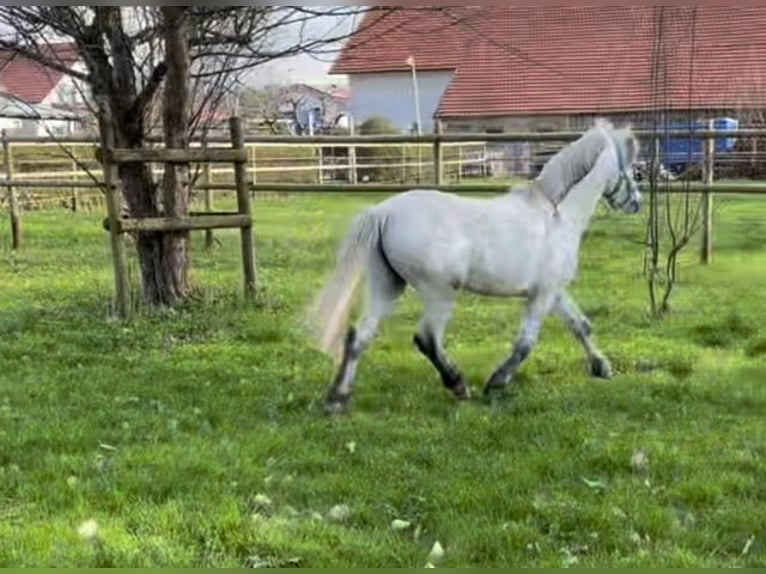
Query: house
[311,110]
[520,68]
[298,108]
[37,100]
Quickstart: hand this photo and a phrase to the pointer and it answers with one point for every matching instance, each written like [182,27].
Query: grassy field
[197,438]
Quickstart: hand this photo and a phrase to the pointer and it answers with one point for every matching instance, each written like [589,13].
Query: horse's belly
[496,287]
[502,276]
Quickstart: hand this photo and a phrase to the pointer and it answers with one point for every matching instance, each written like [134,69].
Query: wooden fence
[244,157]
[112,157]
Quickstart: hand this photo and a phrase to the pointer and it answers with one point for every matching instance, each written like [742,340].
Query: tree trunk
[140,194]
[162,257]
[173,256]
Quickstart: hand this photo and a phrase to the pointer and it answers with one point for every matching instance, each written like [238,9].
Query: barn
[509,68]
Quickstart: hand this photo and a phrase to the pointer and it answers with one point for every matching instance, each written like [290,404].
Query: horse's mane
[572,162]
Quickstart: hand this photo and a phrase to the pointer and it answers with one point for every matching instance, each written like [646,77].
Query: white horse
[524,243]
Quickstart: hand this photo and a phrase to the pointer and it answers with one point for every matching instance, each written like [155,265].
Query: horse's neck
[571,164]
[580,203]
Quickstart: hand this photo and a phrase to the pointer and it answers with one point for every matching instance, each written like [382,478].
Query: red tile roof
[572,59]
[29,80]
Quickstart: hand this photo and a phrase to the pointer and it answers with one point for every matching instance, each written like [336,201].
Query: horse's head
[621,191]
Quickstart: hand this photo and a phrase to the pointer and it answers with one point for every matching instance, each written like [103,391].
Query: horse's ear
[603,123]
[631,149]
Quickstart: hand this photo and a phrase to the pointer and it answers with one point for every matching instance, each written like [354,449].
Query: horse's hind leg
[430,339]
[384,289]
[578,324]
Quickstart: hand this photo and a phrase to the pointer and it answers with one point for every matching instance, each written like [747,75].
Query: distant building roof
[514,60]
[29,80]
[12,107]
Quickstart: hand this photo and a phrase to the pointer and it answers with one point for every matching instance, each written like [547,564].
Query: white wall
[68,93]
[390,94]
[10,125]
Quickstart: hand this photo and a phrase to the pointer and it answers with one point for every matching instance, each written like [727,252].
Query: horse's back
[424,208]
[447,241]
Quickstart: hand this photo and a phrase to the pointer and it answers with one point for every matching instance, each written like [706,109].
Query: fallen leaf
[339,513]
[594,484]
[351,446]
[398,524]
[437,552]
[88,529]
[748,544]
[261,502]
[639,461]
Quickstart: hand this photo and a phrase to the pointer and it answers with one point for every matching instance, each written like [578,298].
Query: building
[298,109]
[520,68]
[37,100]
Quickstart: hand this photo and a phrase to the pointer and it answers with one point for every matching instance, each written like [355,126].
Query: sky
[296,69]
[306,68]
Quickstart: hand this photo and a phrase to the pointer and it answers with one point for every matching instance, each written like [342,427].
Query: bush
[378,156]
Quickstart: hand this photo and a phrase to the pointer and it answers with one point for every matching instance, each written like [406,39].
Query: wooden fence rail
[244,162]
[111,157]
[398,139]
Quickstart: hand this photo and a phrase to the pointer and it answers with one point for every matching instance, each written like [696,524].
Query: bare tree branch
[189,59]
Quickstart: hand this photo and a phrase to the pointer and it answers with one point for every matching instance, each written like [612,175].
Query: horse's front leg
[538,306]
[579,325]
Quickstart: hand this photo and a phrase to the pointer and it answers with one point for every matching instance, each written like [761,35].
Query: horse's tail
[330,312]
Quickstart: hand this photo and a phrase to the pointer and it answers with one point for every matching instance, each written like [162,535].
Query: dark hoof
[601,368]
[494,387]
[337,403]
[461,390]
[495,394]
[497,382]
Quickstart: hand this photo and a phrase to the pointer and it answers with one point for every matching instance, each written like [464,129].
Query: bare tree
[174,64]
[674,218]
[265,105]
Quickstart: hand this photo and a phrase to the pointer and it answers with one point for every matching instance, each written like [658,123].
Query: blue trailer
[677,153]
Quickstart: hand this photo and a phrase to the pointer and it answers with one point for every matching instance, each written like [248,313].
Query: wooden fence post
[243,203]
[352,175]
[707,198]
[209,237]
[114,208]
[13,205]
[254,163]
[74,199]
[320,164]
[438,154]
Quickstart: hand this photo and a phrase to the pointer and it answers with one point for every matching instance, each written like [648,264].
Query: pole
[209,237]
[352,152]
[416,96]
[707,198]
[114,208]
[244,208]
[13,205]
[438,156]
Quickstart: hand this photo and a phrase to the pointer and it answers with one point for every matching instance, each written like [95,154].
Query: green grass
[170,430]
